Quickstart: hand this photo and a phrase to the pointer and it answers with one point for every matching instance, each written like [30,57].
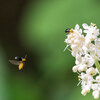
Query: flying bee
[20,61]
[68,30]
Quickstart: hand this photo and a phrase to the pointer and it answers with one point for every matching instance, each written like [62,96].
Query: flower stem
[97,65]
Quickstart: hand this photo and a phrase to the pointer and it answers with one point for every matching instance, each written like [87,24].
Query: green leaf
[97,65]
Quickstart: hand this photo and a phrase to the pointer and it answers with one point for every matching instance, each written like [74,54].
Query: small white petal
[85,26]
[84,77]
[86,31]
[94,86]
[85,91]
[76,41]
[83,68]
[77,62]
[73,53]
[91,71]
[73,46]
[66,40]
[76,27]
[95,94]
[98,78]
[97,70]
[80,31]
[75,68]
[79,69]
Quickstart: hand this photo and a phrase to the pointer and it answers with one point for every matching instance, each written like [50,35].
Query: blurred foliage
[47,75]
[3,77]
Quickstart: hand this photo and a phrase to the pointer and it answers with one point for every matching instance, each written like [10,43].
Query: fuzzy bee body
[68,30]
[20,61]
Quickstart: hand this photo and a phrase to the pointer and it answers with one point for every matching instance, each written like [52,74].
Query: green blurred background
[36,28]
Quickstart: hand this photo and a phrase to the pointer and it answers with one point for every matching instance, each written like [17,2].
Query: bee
[20,61]
[68,30]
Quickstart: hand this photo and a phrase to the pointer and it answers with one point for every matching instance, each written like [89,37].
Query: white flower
[84,62]
[97,44]
[91,32]
[98,78]
[84,77]
[97,71]
[83,67]
[77,29]
[86,50]
[88,60]
[96,94]
[95,86]
[75,68]
[78,59]
[85,26]
[91,71]
[92,50]
[85,90]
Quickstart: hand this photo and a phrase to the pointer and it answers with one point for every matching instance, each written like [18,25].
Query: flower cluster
[85,47]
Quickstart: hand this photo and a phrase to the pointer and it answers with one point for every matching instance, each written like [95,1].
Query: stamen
[79,82]
[67,48]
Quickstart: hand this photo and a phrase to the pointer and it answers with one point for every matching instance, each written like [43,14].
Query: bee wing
[15,62]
